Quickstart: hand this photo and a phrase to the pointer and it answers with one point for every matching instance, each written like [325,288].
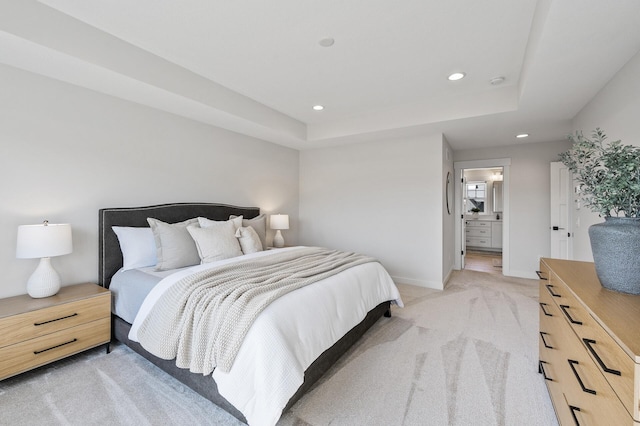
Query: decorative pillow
[205,223]
[216,242]
[175,247]
[249,240]
[137,245]
[259,224]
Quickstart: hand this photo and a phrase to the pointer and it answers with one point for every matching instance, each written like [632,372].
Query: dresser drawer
[478,242]
[598,363]
[478,232]
[581,409]
[479,223]
[35,352]
[28,325]
[614,364]
[584,386]
[550,340]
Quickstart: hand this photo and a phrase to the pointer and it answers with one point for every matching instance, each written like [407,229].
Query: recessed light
[318,107]
[326,42]
[522,135]
[456,76]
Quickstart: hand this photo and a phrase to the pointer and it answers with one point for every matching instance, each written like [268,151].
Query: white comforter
[289,334]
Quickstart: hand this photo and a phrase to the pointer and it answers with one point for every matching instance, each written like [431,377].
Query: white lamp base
[44,281]
[278,240]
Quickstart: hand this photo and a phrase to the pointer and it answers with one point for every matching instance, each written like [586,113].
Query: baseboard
[446,279]
[522,274]
[418,283]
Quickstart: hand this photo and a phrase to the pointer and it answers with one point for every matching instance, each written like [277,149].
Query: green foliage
[609,174]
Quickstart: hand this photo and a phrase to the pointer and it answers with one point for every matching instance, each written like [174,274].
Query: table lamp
[278,222]
[43,241]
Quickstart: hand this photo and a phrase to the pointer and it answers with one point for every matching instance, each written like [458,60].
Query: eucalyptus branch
[608,174]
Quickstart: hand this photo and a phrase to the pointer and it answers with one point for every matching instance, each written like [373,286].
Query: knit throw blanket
[202,320]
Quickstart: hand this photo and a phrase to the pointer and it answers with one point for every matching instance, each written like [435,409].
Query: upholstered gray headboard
[109,254]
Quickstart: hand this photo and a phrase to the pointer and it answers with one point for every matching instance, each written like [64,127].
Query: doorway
[482,201]
[482,212]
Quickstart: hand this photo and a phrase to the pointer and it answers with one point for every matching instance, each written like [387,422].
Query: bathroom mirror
[498,199]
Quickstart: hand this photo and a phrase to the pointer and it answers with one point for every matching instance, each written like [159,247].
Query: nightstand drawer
[33,353]
[29,325]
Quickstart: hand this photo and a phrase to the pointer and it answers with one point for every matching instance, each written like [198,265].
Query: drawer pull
[54,320]
[544,342]
[541,370]
[541,277]
[571,320]
[573,413]
[53,347]
[549,287]
[588,343]
[542,305]
[572,363]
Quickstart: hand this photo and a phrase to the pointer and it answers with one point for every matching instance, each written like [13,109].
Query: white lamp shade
[45,240]
[280,221]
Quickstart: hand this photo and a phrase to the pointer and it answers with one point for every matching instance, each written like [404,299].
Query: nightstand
[35,332]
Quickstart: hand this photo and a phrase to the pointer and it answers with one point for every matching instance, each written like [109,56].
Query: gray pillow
[174,245]
[216,242]
[259,224]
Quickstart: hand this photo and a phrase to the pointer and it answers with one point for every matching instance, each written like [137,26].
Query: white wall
[529,185]
[384,199]
[615,109]
[68,151]
[448,217]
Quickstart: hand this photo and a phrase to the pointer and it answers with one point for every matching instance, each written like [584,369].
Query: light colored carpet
[464,356]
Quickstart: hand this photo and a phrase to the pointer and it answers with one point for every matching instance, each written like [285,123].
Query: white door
[561,242]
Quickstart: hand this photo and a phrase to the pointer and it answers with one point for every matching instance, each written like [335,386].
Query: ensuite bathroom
[483,200]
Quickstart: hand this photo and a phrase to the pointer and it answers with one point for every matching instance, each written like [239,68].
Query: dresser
[589,346]
[35,332]
[484,234]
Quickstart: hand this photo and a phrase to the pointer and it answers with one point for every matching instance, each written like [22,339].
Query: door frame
[459,167]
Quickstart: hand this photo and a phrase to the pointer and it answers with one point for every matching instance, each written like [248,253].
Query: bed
[111,263]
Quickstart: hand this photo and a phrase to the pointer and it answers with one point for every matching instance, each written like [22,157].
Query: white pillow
[205,223]
[249,240]
[259,224]
[174,246]
[216,242]
[137,245]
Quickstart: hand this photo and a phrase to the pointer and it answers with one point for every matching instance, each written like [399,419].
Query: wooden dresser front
[589,346]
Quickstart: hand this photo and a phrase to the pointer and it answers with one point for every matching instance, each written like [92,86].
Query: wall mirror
[498,197]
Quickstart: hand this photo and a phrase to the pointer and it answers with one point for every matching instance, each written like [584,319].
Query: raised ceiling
[257,67]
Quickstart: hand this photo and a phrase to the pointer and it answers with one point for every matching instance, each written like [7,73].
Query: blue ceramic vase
[615,244]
